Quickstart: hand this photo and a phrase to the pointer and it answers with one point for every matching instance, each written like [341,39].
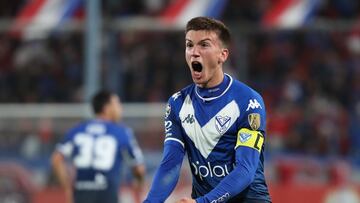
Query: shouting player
[218,121]
[97,149]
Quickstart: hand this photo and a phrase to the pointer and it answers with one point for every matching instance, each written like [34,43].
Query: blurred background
[303,56]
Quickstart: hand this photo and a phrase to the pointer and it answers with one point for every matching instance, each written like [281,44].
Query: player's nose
[195,51]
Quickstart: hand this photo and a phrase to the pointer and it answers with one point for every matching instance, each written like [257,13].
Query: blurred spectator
[343,190]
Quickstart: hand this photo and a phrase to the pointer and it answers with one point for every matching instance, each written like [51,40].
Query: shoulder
[117,127]
[74,130]
[245,93]
[244,89]
[178,97]
[251,105]
[121,132]
[78,127]
[175,102]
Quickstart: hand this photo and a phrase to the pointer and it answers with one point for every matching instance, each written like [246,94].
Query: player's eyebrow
[206,39]
[203,40]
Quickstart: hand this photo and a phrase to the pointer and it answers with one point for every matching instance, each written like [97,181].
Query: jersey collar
[209,94]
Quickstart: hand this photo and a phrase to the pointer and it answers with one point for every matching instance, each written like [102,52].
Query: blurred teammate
[218,121]
[97,149]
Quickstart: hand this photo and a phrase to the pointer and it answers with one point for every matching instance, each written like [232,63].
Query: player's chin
[196,78]
[199,81]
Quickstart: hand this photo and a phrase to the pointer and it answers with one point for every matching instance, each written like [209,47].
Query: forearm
[167,174]
[229,186]
[237,180]
[139,179]
[60,170]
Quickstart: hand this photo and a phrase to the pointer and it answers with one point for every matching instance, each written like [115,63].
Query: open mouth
[196,66]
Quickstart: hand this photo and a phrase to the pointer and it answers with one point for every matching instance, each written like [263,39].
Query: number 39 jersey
[212,128]
[97,149]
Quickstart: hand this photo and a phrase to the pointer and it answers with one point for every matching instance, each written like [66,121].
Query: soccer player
[97,149]
[218,121]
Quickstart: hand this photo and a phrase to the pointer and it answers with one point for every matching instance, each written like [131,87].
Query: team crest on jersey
[254,120]
[222,123]
[167,110]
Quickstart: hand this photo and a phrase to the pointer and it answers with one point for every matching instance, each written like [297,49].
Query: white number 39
[95,152]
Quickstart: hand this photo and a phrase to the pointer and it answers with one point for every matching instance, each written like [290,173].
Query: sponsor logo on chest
[210,170]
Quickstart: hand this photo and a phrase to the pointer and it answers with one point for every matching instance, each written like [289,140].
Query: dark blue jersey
[222,129]
[97,149]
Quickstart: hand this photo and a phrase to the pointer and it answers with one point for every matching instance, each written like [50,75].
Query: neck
[214,81]
[215,91]
[103,117]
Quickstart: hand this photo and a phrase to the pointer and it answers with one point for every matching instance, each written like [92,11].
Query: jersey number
[95,152]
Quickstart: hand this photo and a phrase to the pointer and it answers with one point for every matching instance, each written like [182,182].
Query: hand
[186,200]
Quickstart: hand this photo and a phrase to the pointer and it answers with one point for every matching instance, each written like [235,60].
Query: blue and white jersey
[97,149]
[211,124]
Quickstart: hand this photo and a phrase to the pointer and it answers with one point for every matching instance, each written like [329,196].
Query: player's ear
[223,55]
[107,109]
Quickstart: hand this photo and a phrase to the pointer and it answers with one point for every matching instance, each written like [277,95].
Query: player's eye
[204,44]
[189,44]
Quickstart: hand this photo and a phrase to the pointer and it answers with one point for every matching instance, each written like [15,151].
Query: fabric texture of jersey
[211,124]
[97,149]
